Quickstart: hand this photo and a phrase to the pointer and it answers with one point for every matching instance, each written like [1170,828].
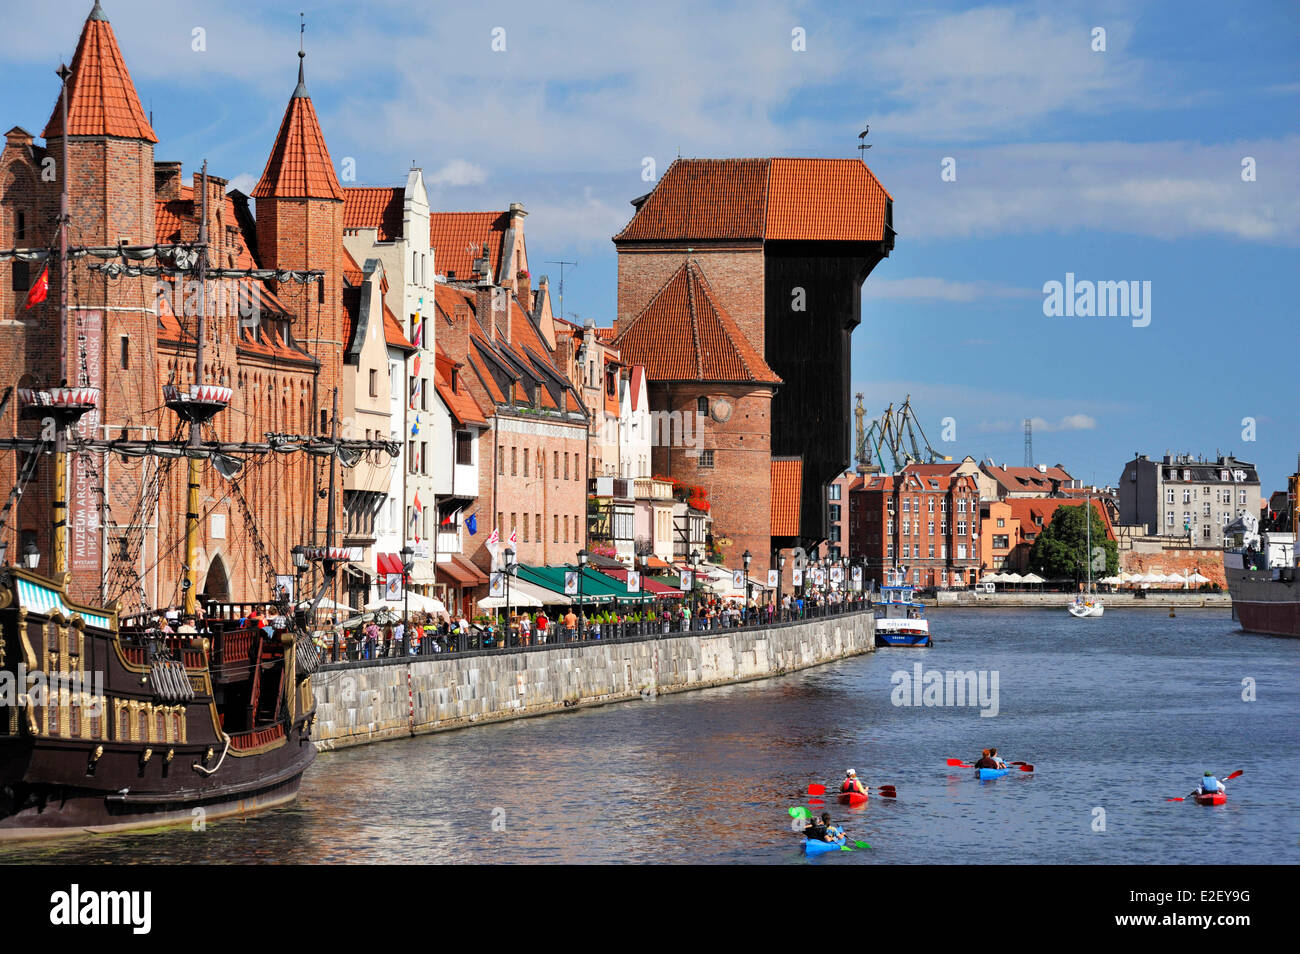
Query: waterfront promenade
[372,700]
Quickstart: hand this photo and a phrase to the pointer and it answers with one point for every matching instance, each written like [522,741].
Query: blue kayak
[821,847]
[985,774]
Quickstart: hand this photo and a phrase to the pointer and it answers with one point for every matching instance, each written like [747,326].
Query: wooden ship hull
[104,728]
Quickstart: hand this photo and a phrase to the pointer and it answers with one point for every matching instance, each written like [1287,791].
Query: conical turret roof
[101,97]
[299,166]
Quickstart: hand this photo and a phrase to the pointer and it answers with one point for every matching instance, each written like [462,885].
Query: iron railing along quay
[349,651]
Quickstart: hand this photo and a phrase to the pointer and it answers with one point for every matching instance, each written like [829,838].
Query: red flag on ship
[38,291]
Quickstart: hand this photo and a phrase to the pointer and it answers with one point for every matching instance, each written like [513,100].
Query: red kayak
[851,798]
[1213,798]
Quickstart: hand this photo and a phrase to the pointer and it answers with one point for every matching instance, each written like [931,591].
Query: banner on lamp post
[796,577]
[570,582]
[497,586]
[633,581]
[687,581]
[773,578]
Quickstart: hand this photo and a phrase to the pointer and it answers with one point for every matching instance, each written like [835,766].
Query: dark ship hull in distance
[105,727]
[1263,600]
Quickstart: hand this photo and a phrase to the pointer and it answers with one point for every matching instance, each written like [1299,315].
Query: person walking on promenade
[571,624]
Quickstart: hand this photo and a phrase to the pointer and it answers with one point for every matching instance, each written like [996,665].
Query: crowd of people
[427,634]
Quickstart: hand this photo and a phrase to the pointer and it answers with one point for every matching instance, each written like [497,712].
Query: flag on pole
[38,291]
[514,539]
[494,544]
[471,524]
[415,514]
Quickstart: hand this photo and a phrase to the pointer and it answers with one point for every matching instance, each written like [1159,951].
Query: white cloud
[1167,190]
[941,289]
[458,172]
[244,182]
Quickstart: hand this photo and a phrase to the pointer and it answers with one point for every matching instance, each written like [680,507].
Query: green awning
[596,587]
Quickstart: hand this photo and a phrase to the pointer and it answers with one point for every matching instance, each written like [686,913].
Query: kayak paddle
[815,801]
[856,844]
[887,791]
[958,763]
[816,789]
[798,811]
[1024,766]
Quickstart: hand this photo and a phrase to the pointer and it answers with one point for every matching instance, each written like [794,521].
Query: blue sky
[1115,165]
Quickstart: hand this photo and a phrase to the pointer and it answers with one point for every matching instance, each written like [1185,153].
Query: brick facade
[121,339]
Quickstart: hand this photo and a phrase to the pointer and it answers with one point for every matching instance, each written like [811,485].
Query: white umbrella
[1033,578]
[993,578]
[1013,578]
[326,604]
[517,601]
[415,601]
[1197,579]
[1111,580]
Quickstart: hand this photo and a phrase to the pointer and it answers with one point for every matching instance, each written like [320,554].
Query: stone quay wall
[370,701]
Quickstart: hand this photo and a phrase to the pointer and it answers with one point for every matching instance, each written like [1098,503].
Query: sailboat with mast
[114,721]
[1087,603]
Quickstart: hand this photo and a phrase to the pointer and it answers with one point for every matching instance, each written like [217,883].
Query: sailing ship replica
[1087,603]
[112,721]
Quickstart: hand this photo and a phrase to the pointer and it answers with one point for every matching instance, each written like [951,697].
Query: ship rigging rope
[213,771]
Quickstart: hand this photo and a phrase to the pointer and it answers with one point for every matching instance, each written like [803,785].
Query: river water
[1115,713]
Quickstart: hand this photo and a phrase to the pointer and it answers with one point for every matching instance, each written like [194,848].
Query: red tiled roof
[685,335]
[393,331]
[756,199]
[829,200]
[460,402]
[352,272]
[457,239]
[299,166]
[374,208]
[1027,479]
[101,97]
[1028,510]
[787,492]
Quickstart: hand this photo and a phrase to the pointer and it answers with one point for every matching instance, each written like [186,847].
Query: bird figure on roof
[862,143]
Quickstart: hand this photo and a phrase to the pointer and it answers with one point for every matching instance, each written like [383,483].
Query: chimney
[455,339]
[502,313]
[167,181]
[483,309]
[483,267]
[18,138]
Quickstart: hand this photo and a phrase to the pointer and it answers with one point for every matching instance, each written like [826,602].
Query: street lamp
[583,557]
[408,564]
[745,558]
[695,578]
[510,565]
[780,573]
[31,555]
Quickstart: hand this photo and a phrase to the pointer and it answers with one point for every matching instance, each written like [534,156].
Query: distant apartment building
[927,526]
[1190,497]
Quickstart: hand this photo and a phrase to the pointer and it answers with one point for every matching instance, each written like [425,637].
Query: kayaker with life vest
[987,761]
[1210,784]
[852,783]
[823,830]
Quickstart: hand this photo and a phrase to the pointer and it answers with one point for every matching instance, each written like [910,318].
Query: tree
[1061,548]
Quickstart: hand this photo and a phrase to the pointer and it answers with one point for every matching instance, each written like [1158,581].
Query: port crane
[892,434]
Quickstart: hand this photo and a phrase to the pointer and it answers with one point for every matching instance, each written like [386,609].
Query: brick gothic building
[779,249]
[125,337]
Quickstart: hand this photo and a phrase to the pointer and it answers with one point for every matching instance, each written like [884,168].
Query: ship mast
[59,563]
[189,584]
